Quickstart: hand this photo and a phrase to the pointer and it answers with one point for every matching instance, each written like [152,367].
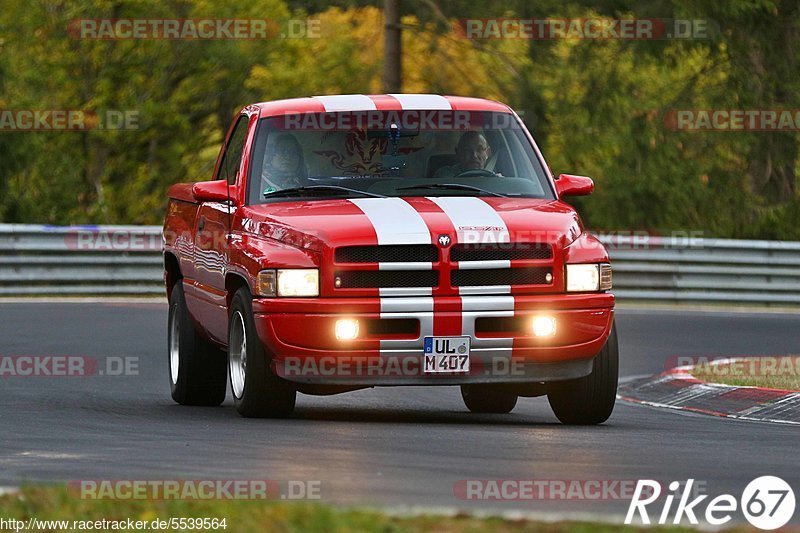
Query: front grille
[501,276]
[501,324]
[392,326]
[389,253]
[500,251]
[370,279]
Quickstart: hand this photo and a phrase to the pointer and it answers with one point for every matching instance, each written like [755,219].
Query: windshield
[393,153]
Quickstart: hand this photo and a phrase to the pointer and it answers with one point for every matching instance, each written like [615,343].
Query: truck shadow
[423,415]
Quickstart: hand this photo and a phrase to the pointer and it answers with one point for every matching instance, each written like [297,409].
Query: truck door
[212,253]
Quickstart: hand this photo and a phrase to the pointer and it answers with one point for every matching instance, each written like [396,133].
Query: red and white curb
[677,389]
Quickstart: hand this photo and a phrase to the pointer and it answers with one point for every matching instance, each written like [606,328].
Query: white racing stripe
[475,221]
[405,291]
[487,303]
[406,305]
[346,102]
[480,265]
[420,102]
[485,289]
[473,307]
[405,266]
[419,308]
[394,220]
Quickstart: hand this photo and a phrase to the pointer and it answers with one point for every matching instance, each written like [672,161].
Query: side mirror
[569,185]
[211,191]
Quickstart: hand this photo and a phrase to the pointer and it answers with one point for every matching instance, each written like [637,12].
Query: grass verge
[59,503]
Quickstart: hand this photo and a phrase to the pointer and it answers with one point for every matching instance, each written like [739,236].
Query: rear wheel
[488,398]
[196,367]
[589,400]
[257,391]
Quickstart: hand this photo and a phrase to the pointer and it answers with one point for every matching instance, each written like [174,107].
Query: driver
[472,152]
[284,166]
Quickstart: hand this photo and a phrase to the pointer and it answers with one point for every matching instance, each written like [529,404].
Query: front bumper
[299,334]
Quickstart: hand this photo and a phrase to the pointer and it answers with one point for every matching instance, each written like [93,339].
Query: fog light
[346,329]
[544,326]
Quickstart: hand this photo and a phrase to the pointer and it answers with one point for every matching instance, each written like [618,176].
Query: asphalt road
[389,447]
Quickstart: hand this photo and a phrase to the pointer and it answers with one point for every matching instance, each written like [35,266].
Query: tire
[488,399]
[257,391]
[589,400]
[196,367]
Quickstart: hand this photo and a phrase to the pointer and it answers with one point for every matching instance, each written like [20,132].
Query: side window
[232,158]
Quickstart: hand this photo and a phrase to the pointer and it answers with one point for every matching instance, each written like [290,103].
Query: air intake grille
[500,251]
[366,279]
[500,276]
[396,253]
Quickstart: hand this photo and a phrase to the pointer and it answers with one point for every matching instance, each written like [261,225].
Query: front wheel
[488,399]
[589,400]
[257,391]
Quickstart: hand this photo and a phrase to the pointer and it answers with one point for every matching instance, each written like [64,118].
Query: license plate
[448,355]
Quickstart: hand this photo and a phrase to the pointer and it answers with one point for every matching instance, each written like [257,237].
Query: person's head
[287,155]
[472,150]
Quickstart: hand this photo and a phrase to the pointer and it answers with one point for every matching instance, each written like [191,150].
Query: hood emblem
[444,240]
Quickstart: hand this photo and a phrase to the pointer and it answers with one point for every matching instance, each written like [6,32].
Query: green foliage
[597,107]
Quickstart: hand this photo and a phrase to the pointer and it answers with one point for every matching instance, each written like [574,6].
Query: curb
[677,389]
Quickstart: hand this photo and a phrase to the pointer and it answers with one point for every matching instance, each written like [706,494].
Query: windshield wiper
[453,187]
[316,189]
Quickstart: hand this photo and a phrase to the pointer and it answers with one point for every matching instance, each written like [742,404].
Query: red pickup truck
[354,241]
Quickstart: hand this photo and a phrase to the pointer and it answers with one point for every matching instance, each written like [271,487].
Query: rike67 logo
[767,503]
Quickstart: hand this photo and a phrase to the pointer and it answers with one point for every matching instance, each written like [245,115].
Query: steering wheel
[475,172]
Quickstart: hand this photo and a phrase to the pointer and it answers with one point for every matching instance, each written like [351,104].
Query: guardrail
[706,270]
[80,260]
[126,260]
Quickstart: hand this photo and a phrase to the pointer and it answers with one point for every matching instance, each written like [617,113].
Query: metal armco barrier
[80,260]
[126,260]
[705,270]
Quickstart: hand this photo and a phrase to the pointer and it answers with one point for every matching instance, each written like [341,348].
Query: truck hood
[413,220]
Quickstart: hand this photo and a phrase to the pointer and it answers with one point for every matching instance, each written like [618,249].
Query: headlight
[298,282]
[589,278]
[583,278]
